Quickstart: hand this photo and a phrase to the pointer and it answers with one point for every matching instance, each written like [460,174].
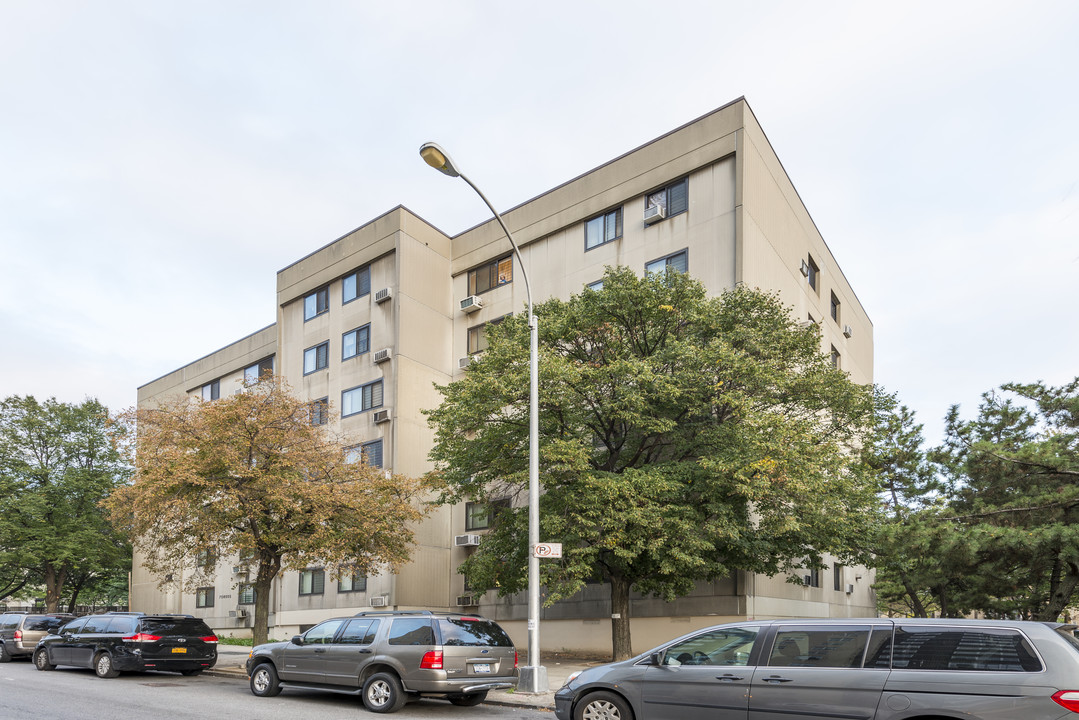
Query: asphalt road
[74,694]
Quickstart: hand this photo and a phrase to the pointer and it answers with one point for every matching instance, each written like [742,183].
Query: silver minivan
[871,669]
[20,631]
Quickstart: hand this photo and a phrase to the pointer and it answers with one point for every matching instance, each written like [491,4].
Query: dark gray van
[873,669]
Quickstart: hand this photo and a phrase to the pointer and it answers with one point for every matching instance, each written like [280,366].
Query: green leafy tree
[251,474]
[682,437]
[58,461]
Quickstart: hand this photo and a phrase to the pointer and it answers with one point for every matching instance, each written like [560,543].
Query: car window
[727,646]
[322,633]
[836,647]
[123,625]
[953,648]
[412,631]
[7,622]
[879,652]
[73,627]
[96,624]
[172,627]
[43,623]
[359,632]
[473,632]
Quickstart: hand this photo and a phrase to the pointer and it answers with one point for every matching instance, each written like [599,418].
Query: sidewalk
[231,660]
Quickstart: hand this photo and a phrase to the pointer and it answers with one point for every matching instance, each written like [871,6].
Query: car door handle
[320,650]
[365,652]
[728,677]
[777,679]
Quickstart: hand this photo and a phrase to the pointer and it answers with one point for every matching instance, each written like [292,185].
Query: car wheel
[264,682]
[382,693]
[4,656]
[602,706]
[41,660]
[189,673]
[468,699]
[103,666]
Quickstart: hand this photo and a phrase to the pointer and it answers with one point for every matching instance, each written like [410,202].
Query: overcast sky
[161,161]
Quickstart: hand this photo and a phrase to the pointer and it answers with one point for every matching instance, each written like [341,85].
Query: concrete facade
[743,223]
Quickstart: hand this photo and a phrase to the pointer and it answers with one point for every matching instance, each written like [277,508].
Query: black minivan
[116,642]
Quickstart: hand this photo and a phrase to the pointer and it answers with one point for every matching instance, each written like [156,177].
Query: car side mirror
[656,659]
[297,639]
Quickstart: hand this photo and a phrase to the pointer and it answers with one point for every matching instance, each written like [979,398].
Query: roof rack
[425,613]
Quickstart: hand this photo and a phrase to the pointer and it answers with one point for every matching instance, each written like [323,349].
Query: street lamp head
[437,158]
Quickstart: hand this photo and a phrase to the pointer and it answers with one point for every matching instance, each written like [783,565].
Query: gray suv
[20,631]
[875,669]
[391,657]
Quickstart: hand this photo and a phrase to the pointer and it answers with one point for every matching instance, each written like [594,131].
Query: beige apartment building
[372,321]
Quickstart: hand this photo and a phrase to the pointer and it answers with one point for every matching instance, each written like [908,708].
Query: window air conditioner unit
[383,295]
[848,330]
[464,362]
[850,589]
[807,580]
[466,540]
[241,613]
[381,416]
[472,303]
[466,601]
[239,569]
[806,324]
[381,356]
[805,268]
[378,602]
[653,214]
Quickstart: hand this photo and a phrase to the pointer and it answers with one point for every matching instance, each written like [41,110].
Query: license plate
[179,650]
[481,667]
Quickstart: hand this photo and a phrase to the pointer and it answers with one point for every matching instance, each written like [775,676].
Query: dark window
[673,199]
[837,576]
[469,632]
[835,357]
[837,647]
[316,303]
[597,286]
[983,649]
[370,453]
[212,390]
[320,411]
[477,336]
[247,594]
[879,653]
[813,274]
[356,285]
[679,262]
[352,583]
[316,358]
[322,634]
[73,627]
[356,342]
[834,308]
[97,624]
[204,597]
[603,229]
[312,582]
[258,371]
[482,515]
[206,559]
[358,399]
[359,632]
[123,625]
[814,577]
[729,646]
[491,275]
[412,631]
[41,623]
[192,627]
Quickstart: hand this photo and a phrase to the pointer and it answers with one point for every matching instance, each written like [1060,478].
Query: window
[715,647]
[370,453]
[837,576]
[814,577]
[840,646]
[477,336]
[211,391]
[359,399]
[679,262]
[316,303]
[204,597]
[320,411]
[813,274]
[673,199]
[359,632]
[412,631]
[258,371]
[603,229]
[322,634]
[834,308]
[835,357]
[356,285]
[352,583]
[316,358]
[206,559]
[247,594]
[490,275]
[483,515]
[597,286]
[356,342]
[984,649]
[312,582]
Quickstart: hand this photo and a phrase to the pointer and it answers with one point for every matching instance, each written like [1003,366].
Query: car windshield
[191,627]
[473,632]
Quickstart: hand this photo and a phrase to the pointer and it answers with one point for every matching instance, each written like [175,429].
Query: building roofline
[234,342]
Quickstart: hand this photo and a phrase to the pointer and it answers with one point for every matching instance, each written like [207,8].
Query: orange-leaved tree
[251,474]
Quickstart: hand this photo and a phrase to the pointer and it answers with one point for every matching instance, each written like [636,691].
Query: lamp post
[533,677]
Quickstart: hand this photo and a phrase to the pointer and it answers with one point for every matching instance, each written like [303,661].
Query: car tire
[382,693]
[41,660]
[602,706]
[468,699]
[4,655]
[264,682]
[103,666]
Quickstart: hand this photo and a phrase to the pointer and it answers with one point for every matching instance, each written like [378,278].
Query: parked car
[877,669]
[391,657]
[112,643]
[20,631]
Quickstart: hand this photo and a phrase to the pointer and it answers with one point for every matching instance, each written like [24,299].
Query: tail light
[432,660]
[18,635]
[1067,699]
[142,637]
[211,639]
[515,659]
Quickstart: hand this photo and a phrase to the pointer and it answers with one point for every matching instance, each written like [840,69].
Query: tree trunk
[54,585]
[263,581]
[916,604]
[1061,596]
[620,639]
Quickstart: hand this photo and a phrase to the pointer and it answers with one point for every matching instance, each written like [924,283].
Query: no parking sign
[547,550]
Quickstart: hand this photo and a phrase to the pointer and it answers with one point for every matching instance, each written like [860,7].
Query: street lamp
[534,676]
